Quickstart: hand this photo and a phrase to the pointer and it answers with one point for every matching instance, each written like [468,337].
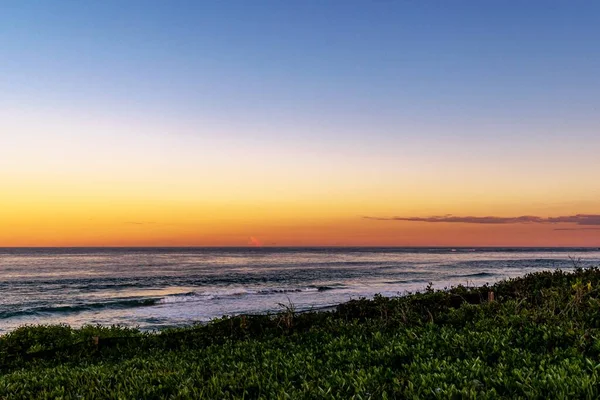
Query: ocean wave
[237,292]
[76,308]
[474,275]
[406,281]
[225,293]
[281,277]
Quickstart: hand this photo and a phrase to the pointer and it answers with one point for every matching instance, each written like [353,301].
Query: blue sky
[339,62]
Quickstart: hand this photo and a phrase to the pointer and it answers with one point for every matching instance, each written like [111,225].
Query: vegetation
[537,338]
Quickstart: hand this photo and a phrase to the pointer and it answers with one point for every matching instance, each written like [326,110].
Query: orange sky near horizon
[340,233]
[151,189]
[96,219]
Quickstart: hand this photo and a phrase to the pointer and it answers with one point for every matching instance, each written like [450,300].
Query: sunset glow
[184,135]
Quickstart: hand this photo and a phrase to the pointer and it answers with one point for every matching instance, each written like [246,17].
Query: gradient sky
[130,123]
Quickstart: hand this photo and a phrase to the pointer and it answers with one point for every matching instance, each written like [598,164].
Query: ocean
[153,288]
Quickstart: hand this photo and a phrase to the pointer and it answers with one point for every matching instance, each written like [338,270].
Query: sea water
[153,288]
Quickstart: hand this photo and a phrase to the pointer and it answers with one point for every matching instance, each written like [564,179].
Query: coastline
[429,345]
[154,288]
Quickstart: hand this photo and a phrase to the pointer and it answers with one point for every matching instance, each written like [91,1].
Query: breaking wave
[75,308]
[238,292]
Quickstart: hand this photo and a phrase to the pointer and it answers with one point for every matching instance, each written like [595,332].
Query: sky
[299,123]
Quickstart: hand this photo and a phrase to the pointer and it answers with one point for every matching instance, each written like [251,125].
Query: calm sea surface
[155,288]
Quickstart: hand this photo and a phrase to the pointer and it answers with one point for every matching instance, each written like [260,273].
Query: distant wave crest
[75,308]
[474,275]
[238,292]
[153,301]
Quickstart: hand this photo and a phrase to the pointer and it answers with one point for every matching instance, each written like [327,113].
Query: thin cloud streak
[577,229]
[578,219]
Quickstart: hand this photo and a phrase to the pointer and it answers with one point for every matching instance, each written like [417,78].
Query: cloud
[577,229]
[579,219]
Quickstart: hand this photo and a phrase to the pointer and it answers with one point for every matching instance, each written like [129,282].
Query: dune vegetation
[534,337]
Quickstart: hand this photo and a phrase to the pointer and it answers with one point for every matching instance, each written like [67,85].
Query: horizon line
[299,247]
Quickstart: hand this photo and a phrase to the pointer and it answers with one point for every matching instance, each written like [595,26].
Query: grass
[539,338]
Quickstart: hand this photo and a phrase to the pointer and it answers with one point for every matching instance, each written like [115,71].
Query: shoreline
[437,343]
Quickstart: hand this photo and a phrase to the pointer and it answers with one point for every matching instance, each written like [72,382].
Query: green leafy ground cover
[540,338]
